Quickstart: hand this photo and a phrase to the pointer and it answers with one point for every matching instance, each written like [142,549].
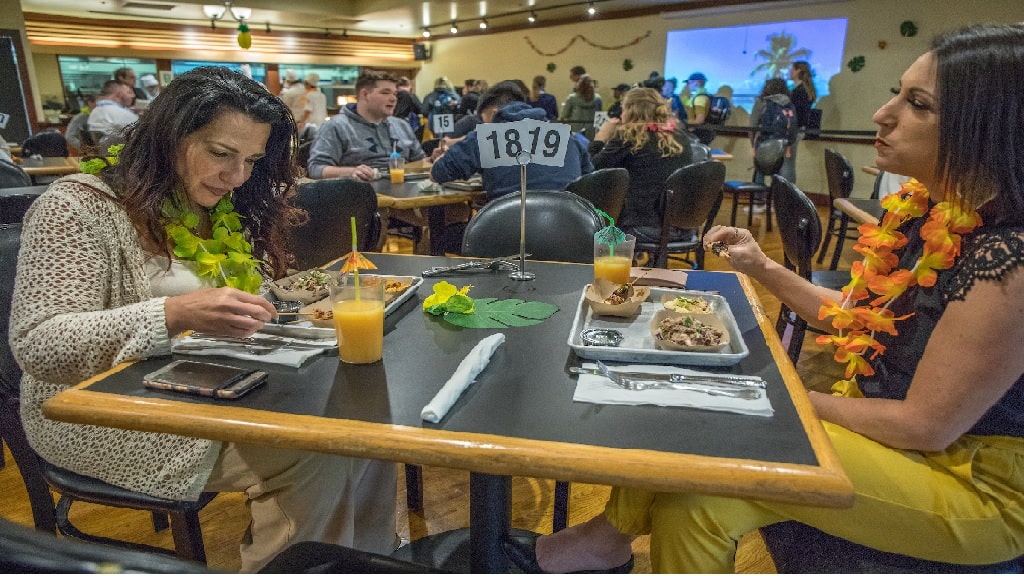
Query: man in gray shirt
[361,137]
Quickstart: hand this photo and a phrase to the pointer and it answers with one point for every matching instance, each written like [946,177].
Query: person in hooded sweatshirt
[462,160]
[357,142]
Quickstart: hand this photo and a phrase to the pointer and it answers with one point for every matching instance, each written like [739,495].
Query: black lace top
[986,254]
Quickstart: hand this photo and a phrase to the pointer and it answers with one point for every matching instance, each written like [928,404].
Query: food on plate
[323,315]
[720,249]
[688,331]
[395,286]
[688,304]
[607,298]
[312,281]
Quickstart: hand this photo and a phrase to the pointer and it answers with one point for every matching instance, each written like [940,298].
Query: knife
[724,380]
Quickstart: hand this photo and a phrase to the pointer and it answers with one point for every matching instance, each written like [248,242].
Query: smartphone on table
[205,379]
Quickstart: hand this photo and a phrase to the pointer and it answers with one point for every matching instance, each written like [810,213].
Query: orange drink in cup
[396,167]
[614,262]
[358,307]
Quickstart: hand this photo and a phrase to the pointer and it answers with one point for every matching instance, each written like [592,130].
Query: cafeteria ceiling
[396,18]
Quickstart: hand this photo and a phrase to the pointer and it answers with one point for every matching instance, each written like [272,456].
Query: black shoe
[524,556]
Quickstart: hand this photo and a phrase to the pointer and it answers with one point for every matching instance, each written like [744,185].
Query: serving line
[518,418]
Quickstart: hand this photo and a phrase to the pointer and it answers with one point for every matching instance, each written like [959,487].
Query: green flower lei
[226,257]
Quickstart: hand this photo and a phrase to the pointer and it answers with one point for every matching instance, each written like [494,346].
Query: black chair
[27,551]
[839,175]
[40,476]
[48,143]
[12,175]
[693,195]
[800,231]
[800,549]
[699,152]
[606,189]
[328,235]
[768,161]
[14,206]
[559,227]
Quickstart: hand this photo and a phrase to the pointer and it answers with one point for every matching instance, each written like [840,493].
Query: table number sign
[504,144]
[599,119]
[4,118]
[443,123]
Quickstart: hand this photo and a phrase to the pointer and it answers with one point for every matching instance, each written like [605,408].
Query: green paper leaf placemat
[509,313]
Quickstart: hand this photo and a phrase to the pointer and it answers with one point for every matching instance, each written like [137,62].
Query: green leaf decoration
[610,235]
[551,67]
[509,313]
[856,64]
[908,29]
[627,64]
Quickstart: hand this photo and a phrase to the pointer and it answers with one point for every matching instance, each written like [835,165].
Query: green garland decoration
[855,64]
[226,257]
[573,40]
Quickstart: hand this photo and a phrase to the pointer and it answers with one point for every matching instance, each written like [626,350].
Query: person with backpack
[697,106]
[774,116]
[442,100]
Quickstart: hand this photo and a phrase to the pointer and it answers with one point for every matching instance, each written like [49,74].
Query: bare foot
[593,545]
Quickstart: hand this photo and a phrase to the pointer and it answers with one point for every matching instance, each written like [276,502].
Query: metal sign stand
[521,274]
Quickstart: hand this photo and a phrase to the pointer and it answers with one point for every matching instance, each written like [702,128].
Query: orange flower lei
[874,276]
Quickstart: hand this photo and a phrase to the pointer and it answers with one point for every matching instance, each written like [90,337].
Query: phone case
[205,379]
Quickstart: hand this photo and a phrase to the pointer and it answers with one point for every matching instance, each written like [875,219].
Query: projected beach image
[743,57]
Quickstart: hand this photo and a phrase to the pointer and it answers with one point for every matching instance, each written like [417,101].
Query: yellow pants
[964,505]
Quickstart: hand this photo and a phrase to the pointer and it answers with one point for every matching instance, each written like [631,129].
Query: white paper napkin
[471,365]
[284,356]
[597,389]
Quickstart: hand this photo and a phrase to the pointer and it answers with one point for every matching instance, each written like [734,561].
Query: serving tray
[392,301]
[638,344]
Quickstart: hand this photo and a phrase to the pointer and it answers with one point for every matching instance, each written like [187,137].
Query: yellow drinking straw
[355,244]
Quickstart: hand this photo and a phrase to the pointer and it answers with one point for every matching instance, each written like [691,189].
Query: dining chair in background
[699,152]
[693,195]
[768,159]
[559,227]
[13,176]
[14,206]
[606,189]
[800,231]
[839,175]
[327,235]
[46,143]
[40,476]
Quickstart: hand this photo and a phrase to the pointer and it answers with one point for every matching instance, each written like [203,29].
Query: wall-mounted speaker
[420,52]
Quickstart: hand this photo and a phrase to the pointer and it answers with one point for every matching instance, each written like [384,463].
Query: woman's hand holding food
[736,245]
[224,311]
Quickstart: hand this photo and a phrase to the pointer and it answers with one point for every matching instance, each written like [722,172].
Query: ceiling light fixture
[454,28]
[217,12]
[483,24]
[591,10]
[426,32]
[532,17]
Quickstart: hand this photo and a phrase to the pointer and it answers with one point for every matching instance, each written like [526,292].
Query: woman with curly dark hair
[179,234]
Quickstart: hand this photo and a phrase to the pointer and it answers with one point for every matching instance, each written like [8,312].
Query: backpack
[719,110]
[442,104]
[778,121]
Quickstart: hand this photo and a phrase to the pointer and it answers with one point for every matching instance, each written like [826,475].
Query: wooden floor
[446,492]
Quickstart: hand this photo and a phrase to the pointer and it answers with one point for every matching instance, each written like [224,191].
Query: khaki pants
[298,496]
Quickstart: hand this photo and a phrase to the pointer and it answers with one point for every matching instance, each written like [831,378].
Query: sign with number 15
[443,123]
[523,142]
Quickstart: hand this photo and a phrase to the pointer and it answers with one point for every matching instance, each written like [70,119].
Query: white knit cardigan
[82,305]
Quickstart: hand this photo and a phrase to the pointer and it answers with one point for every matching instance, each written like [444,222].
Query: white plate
[638,345]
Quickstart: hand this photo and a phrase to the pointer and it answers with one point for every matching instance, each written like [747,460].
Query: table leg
[436,224]
[490,516]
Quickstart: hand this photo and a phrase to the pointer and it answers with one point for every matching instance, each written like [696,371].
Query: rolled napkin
[471,365]
[294,356]
[597,389]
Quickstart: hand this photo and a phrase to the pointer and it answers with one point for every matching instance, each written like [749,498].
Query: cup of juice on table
[358,308]
[613,261]
[396,167]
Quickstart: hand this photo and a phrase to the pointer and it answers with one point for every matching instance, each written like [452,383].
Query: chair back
[606,189]
[327,235]
[10,372]
[693,195]
[799,225]
[699,152]
[14,206]
[559,227]
[12,176]
[839,175]
[770,155]
[48,143]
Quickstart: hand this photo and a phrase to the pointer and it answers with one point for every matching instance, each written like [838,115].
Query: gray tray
[638,344]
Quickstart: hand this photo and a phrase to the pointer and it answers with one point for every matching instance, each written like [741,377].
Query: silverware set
[730,386]
[258,345]
[493,265]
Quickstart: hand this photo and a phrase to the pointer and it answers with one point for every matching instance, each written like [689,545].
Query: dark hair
[774,86]
[585,88]
[122,73]
[500,94]
[981,148]
[369,79]
[804,76]
[578,70]
[146,171]
[111,87]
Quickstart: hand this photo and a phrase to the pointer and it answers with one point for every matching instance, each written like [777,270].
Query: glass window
[257,72]
[86,74]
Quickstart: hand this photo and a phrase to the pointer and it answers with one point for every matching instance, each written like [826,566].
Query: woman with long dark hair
[179,234]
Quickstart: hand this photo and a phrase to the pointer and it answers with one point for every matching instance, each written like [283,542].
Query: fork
[636,384]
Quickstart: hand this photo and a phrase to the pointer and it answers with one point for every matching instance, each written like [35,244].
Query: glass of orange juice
[358,306]
[613,262]
[396,168]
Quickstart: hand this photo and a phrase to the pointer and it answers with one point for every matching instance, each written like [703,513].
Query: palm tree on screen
[779,56]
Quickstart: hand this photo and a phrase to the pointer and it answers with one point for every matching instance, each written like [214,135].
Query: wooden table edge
[860,216]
